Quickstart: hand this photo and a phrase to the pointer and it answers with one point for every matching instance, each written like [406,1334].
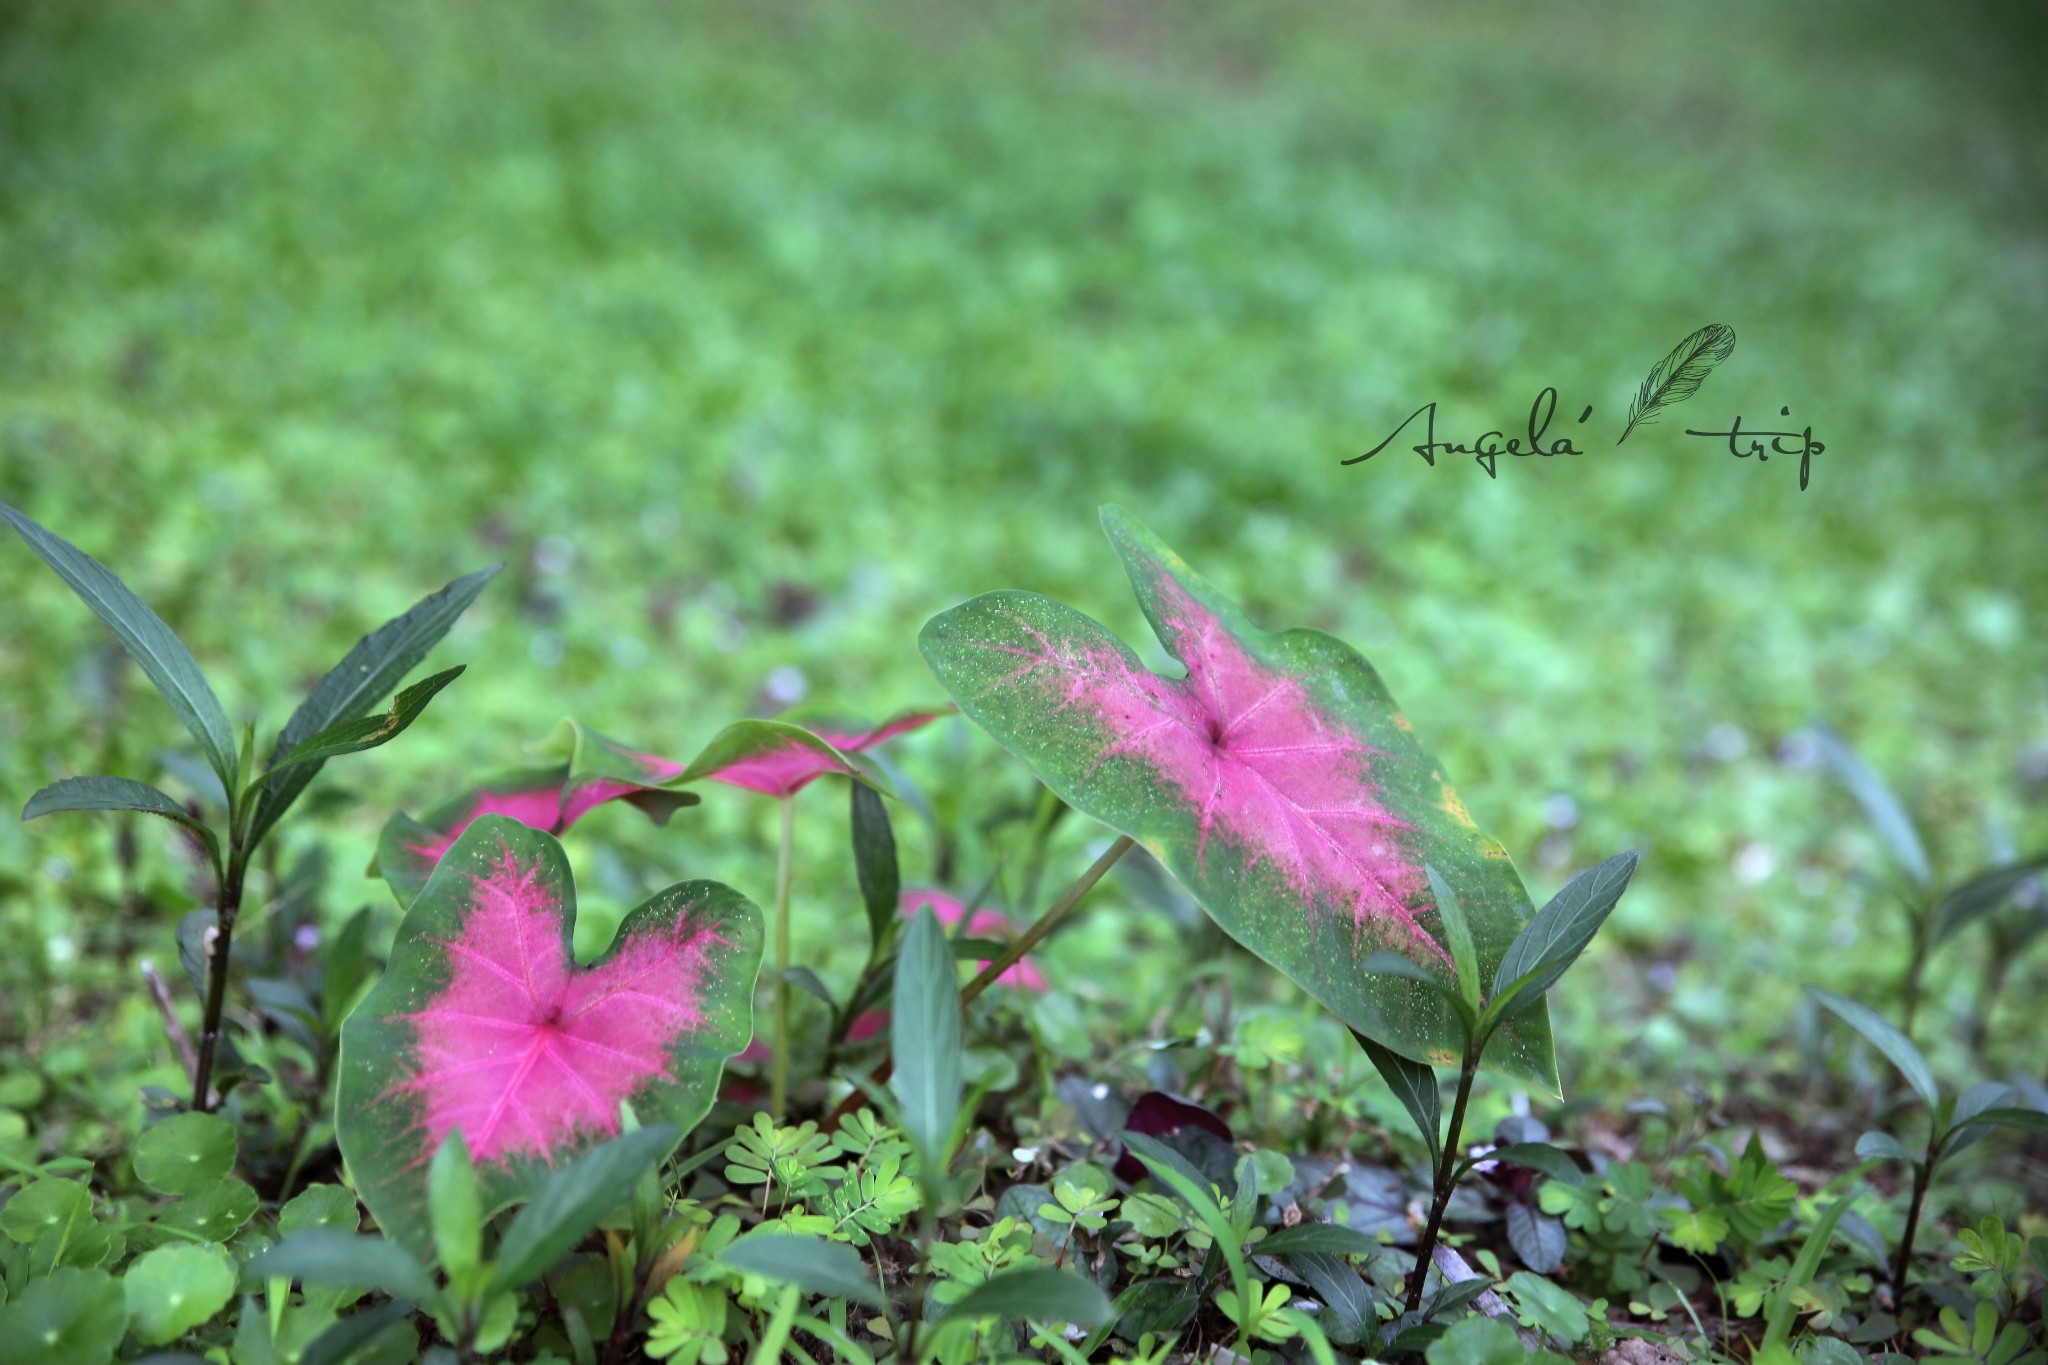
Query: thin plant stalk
[1425,1249]
[217,968]
[1902,1259]
[1009,958]
[1048,921]
[778,1084]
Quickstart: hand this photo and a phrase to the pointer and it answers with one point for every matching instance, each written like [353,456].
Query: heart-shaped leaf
[484,1024]
[592,770]
[1277,780]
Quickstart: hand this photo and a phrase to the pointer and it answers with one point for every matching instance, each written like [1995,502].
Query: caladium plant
[768,756]
[592,770]
[484,1024]
[779,759]
[1277,780]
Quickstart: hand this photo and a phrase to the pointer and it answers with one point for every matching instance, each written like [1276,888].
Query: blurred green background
[751,335]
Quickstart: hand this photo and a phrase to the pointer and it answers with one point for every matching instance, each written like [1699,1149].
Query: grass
[751,336]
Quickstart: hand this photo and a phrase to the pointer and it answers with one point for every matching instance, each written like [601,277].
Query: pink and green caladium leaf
[592,771]
[1277,780]
[780,759]
[485,1024]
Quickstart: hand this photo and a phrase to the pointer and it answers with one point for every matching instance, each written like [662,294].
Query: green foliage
[1742,1206]
[689,1324]
[794,1162]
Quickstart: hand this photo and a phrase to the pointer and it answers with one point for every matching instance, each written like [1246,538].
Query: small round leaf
[185,1154]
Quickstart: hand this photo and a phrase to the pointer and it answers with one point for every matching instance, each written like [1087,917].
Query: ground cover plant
[752,338]
[535,1143]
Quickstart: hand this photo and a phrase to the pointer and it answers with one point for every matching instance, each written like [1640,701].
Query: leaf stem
[778,1083]
[217,971]
[1446,1181]
[1902,1260]
[1046,922]
[1010,957]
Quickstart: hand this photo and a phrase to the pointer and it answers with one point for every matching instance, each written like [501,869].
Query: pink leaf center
[523,1051]
[1257,758]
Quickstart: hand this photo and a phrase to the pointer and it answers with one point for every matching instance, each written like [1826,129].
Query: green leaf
[454,1207]
[1458,937]
[319,1206]
[339,1260]
[1416,1087]
[341,1342]
[1540,1156]
[1384,963]
[1277,780]
[352,688]
[151,643]
[117,793]
[925,1040]
[1897,1048]
[1879,1146]
[1879,804]
[1172,1170]
[367,732]
[1962,1134]
[1334,1238]
[1784,1300]
[1034,1293]
[744,743]
[874,863]
[484,1022]
[174,1289]
[1553,940]
[1477,1340]
[68,1317]
[2032,1121]
[572,1201]
[1982,894]
[185,1153]
[44,1207]
[816,1266]
[1548,1308]
[214,1212]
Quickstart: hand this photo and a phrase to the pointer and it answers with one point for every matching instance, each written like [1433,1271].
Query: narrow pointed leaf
[572,1201]
[1277,780]
[1553,940]
[117,793]
[2032,1121]
[1457,937]
[354,736]
[454,1209]
[1414,1084]
[341,1342]
[874,864]
[1334,1238]
[1554,1162]
[1982,894]
[1879,803]
[812,1264]
[371,670]
[1034,1293]
[151,643]
[1897,1048]
[484,1023]
[925,1037]
[341,1260]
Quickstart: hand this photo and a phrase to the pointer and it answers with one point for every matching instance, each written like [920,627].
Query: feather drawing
[1678,376]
